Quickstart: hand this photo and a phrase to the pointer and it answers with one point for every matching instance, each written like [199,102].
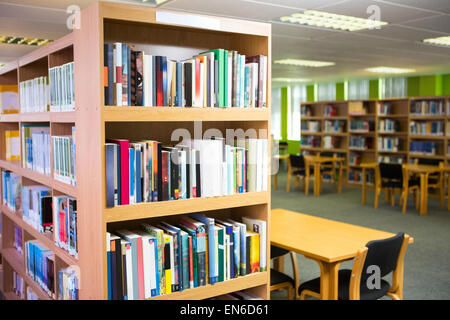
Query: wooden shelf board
[392,116]
[396,152]
[337,134]
[425,117]
[57,117]
[361,150]
[220,288]
[125,113]
[431,137]
[415,155]
[10,296]
[335,150]
[44,179]
[166,208]
[362,115]
[310,118]
[392,133]
[44,239]
[335,117]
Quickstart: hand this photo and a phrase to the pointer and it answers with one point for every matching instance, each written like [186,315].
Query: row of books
[336,126]
[428,107]
[62,94]
[34,95]
[18,286]
[215,78]
[31,295]
[39,265]
[384,108]
[389,144]
[36,147]
[361,126]
[354,159]
[68,284]
[356,177]
[330,142]
[11,192]
[357,108]
[147,171]
[434,128]
[64,158]
[310,141]
[12,145]
[306,111]
[310,126]
[388,125]
[196,251]
[363,143]
[9,99]
[330,111]
[65,223]
[422,147]
[390,159]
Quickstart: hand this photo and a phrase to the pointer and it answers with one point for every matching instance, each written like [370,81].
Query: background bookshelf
[95,122]
[391,123]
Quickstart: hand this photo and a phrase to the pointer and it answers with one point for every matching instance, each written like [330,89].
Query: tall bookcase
[401,113]
[174,34]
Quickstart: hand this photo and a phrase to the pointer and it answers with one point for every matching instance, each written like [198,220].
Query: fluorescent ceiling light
[390,70]
[155,2]
[441,41]
[305,63]
[25,41]
[332,21]
[291,80]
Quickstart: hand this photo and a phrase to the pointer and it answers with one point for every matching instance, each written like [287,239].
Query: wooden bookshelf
[401,112]
[107,22]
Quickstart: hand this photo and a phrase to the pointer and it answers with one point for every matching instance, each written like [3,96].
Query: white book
[259,169]
[183,189]
[260,227]
[264,81]
[252,164]
[242,75]
[227,257]
[210,78]
[148,80]
[148,259]
[265,164]
[170,67]
[230,79]
[129,268]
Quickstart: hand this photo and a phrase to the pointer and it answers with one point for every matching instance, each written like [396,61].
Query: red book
[140,261]
[159,81]
[124,170]
[191,268]
[197,82]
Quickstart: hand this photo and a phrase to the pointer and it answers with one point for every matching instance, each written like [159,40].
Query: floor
[427,265]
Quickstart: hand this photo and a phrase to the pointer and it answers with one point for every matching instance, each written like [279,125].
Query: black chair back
[429,162]
[297,161]
[327,154]
[276,252]
[383,253]
[391,171]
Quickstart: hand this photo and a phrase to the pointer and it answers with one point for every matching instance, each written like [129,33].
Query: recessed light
[24,41]
[305,63]
[291,80]
[390,70]
[441,41]
[327,20]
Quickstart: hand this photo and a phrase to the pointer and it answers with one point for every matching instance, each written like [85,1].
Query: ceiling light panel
[441,41]
[390,70]
[327,20]
[305,63]
[24,41]
[291,80]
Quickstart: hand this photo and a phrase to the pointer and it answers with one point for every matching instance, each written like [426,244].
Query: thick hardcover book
[124,171]
[175,233]
[139,78]
[200,245]
[209,224]
[109,155]
[188,83]
[259,60]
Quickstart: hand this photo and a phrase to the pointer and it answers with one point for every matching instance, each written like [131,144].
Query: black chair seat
[277,277]
[276,252]
[399,184]
[344,285]
[302,172]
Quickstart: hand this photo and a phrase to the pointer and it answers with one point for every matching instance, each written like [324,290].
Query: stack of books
[330,111]
[361,143]
[36,147]
[354,159]
[147,171]
[310,126]
[11,188]
[62,94]
[360,126]
[306,111]
[384,108]
[215,78]
[198,250]
[34,95]
[64,158]
[331,142]
[39,265]
[68,284]
[310,141]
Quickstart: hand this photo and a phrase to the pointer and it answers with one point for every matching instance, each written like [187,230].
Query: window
[276,113]
[394,87]
[297,95]
[326,92]
[358,90]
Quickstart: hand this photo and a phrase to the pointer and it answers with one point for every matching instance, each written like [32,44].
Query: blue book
[229,231]
[158,289]
[164,78]
[138,176]
[209,222]
[132,176]
[111,71]
[179,85]
[185,258]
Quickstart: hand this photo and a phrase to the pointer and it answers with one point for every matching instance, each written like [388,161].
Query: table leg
[329,277]
[425,198]
[341,164]
[423,194]
[364,186]
[275,181]
[316,179]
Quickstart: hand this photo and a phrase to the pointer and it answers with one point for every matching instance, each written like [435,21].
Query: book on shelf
[355,176]
[362,143]
[37,207]
[34,95]
[361,126]
[18,286]
[333,126]
[147,171]
[390,144]
[433,128]
[354,159]
[11,190]
[428,108]
[422,147]
[172,257]
[65,223]
[9,99]
[18,239]
[12,145]
[215,78]
[310,141]
[31,295]
[306,111]
[61,83]
[330,111]
[68,284]
[357,108]
[310,126]
[64,158]
[36,147]
[390,159]
[384,108]
[331,142]
[39,265]
[388,126]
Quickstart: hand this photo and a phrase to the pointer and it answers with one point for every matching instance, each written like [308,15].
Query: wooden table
[316,161]
[275,176]
[420,169]
[327,242]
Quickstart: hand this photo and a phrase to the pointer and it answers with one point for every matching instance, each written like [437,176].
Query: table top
[281,156]
[415,168]
[320,159]
[320,238]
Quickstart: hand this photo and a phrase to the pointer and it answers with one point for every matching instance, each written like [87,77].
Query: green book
[194,252]
[226,103]
[221,252]
[219,55]
[185,258]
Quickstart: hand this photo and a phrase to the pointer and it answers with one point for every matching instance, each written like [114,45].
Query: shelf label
[188,20]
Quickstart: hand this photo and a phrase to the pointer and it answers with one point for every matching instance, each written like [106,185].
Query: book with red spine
[198,98]
[140,268]
[159,81]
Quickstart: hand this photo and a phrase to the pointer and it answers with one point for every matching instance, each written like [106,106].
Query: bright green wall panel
[284,113]
[310,93]
[413,86]
[374,89]
[340,91]
[446,84]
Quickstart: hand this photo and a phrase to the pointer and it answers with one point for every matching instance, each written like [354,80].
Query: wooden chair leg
[441,193]
[288,183]
[405,200]
[386,194]
[377,194]
[290,291]
[296,181]
[392,193]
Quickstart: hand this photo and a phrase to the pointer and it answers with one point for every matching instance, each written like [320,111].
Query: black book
[47,213]
[197,172]
[132,78]
[129,74]
[108,63]
[188,83]
[118,264]
[174,171]
[159,184]
[109,155]
[106,73]
[247,254]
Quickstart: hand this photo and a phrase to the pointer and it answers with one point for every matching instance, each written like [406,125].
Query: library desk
[316,161]
[327,242]
[275,176]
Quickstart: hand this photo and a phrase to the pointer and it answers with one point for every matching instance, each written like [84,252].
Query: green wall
[340,91]
[285,97]
[446,85]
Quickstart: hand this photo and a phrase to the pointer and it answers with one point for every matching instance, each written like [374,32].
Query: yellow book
[167,264]
[12,145]
[9,99]
[254,251]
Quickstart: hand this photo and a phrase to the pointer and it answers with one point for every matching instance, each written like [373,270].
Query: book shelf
[402,114]
[106,22]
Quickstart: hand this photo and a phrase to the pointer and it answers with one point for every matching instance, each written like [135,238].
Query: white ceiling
[396,45]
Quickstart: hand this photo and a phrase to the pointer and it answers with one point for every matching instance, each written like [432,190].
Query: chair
[392,177]
[297,168]
[386,254]
[329,168]
[278,279]
[435,180]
